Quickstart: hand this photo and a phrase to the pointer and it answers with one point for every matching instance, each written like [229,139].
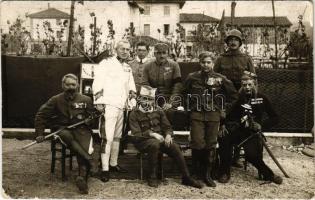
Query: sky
[291,9]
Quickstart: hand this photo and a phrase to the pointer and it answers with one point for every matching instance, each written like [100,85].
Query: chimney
[48,6]
[233,4]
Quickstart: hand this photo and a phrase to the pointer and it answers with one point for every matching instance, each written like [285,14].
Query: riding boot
[89,162]
[195,162]
[210,158]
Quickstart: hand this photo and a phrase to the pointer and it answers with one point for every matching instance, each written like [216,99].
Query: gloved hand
[256,127]
[40,139]
[222,131]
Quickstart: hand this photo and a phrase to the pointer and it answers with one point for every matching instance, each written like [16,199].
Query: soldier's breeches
[68,137]
[153,147]
[204,134]
[113,131]
[174,152]
[254,154]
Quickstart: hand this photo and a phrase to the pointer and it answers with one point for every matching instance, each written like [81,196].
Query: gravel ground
[26,174]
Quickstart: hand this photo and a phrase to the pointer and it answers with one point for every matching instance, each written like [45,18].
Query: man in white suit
[113,90]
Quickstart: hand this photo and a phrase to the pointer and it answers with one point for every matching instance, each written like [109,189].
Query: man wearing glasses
[163,74]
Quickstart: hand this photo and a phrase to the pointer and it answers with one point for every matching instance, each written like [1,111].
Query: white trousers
[113,130]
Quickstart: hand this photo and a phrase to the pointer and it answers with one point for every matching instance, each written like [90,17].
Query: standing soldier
[208,93]
[163,74]
[138,63]
[257,104]
[65,109]
[113,87]
[152,133]
[232,64]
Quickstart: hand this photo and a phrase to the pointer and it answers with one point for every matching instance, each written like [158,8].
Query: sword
[61,129]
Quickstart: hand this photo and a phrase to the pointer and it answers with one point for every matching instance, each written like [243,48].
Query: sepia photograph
[157,99]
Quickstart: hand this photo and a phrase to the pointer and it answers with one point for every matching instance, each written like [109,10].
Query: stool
[55,142]
[160,171]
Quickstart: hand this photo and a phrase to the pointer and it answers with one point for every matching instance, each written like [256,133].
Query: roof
[258,21]
[134,4]
[147,39]
[180,2]
[196,18]
[50,13]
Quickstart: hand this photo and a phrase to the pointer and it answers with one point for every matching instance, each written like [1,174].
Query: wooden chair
[58,147]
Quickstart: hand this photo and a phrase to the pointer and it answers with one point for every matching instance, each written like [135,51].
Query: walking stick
[250,120]
[61,129]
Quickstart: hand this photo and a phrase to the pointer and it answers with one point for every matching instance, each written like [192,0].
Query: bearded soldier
[250,100]
[65,109]
[113,89]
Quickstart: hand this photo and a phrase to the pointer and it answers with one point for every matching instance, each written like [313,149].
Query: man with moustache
[114,91]
[65,109]
[163,74]
[208,94]
[240,128]
[232,64]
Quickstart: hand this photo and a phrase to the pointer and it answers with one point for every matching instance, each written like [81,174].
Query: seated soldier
[151,132]
[245,119]
[64,109]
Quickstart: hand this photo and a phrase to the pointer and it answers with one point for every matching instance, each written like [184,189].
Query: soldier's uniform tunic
[60,111]
[238,132]
[232,64]
[205,103]
[165,77]
[141,124]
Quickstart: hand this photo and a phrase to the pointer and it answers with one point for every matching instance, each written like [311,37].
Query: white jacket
[112,83]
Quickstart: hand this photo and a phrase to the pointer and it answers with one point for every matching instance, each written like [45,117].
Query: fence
[28,82]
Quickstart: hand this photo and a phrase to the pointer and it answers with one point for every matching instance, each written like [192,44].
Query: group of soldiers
[151,89]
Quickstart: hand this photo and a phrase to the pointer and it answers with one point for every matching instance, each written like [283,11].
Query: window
[166,29]
[146,10]
[166,10]
[146,30]
[58,22]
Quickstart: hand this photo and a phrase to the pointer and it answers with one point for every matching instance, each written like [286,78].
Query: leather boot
[82,185]
[209,165]
[195,163]
[189,181]
[152,179]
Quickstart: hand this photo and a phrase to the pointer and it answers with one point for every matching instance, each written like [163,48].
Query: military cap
[147,91]
[161,47]
[206,54]
[248,76]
